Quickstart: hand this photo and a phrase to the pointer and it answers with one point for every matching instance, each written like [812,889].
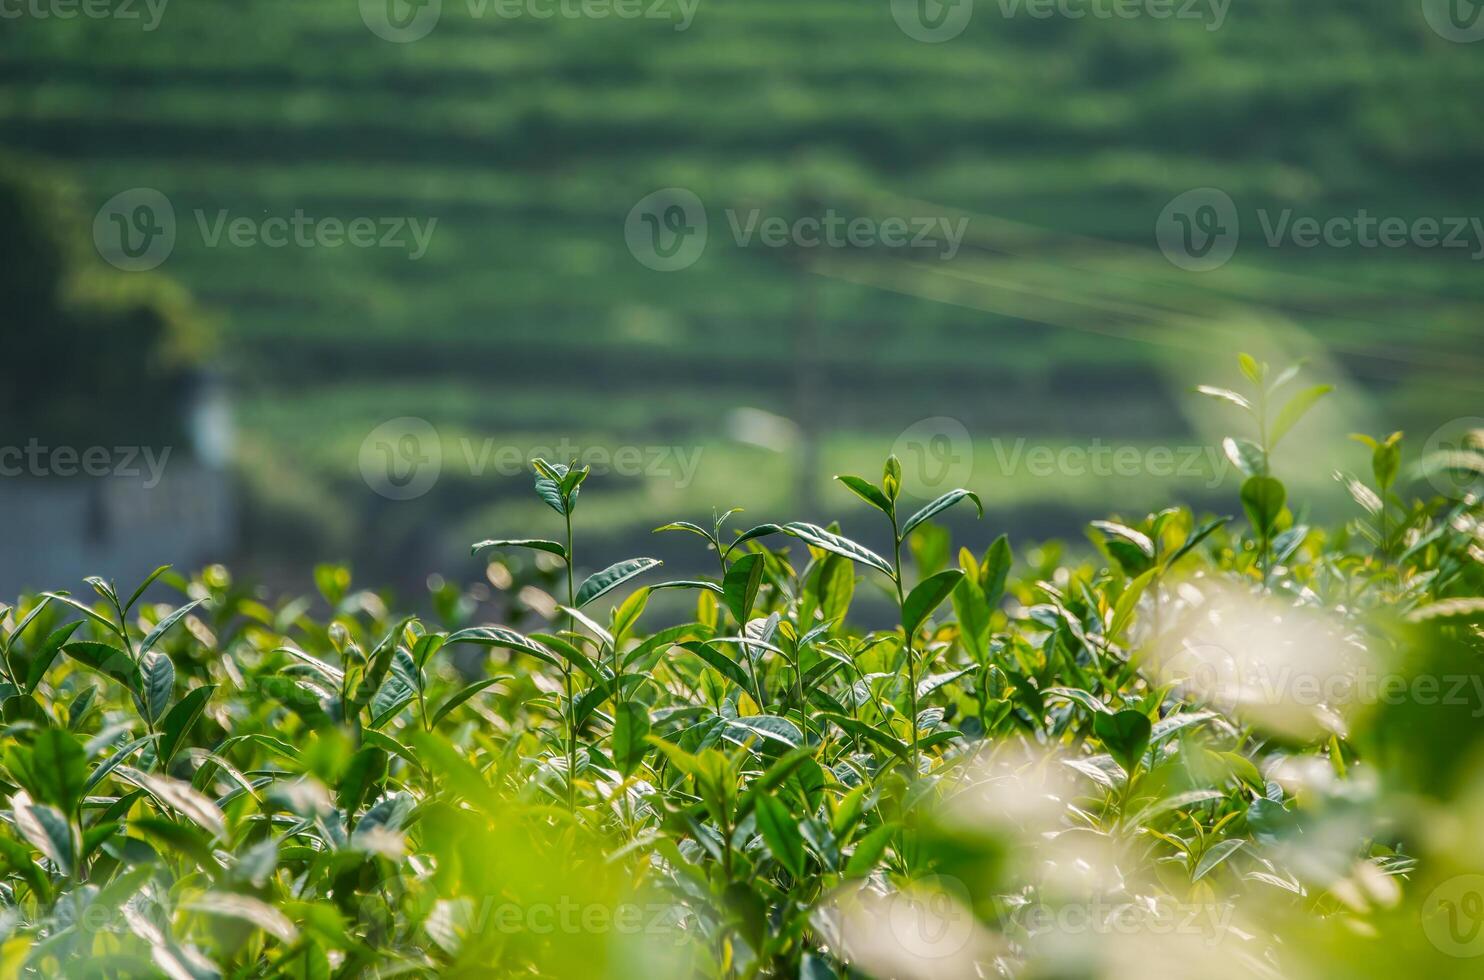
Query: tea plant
[1050,766]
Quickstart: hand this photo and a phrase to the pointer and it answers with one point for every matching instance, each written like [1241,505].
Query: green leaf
[761,531]
[157,674]
[367,768]
[43,656]
[86,610]
[781,833]
[927,596]
[867,491]
[770,727]
[689,584]
[721,664]
[1262,499]
[178,722]
[611,577]
[165,624]
[148,581]
[101,772]
[741,585]
[1296,408]
[1196,537]
[1084,698]
[500,636]
[535,544]
[973,614]
[628,613]
[1254,371]
[49,832]
[690,526]
[1246,455]
[1125,735]
[997,562]
[60,768]
[1214,856]
[1224,394]
[891,476]
[1123,609]
[570,653]
[1132,549]
[107,660]
[891,743]
[25,622]
[630,735]
[180,797]
[549,486]
[944,502]
[835,544]
[179,837]
[869,850]
[245,908]
[463,694]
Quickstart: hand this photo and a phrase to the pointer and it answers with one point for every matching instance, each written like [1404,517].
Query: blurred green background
[1059,322]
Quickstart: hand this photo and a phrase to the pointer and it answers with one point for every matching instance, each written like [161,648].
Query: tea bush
[1221,747]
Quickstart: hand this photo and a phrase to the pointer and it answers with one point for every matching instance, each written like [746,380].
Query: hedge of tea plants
[1225,745]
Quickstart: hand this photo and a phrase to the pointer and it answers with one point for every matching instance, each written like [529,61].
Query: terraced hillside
[529,140]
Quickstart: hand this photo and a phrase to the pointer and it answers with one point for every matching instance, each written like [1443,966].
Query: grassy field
[530,140]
